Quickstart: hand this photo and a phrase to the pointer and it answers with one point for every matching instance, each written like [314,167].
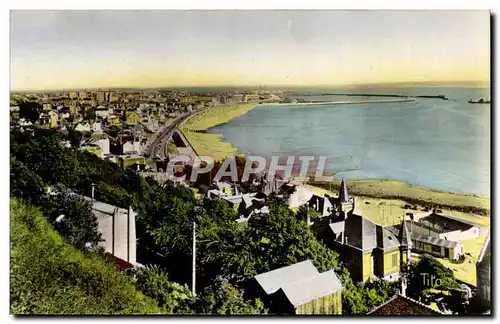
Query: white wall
[124,222]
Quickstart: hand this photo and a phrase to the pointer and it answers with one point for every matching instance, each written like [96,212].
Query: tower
[343,194]
[404,253]
[345,202]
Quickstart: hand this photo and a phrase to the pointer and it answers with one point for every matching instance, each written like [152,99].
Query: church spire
[343,194]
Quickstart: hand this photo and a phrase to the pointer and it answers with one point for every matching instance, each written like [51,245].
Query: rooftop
[304,291]
[273,280]
[402,305]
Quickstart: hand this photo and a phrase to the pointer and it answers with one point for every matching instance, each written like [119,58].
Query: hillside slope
[48,276]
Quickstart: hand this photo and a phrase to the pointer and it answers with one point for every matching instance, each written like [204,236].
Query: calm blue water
[431,142]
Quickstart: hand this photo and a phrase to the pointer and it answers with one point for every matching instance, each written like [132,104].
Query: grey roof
[247,199]
[309,289]
[322,204]
[273,280]
[450,217]
[337,227]
[434,240]
[360,232]
[102,210]
[389,238]
[397,235]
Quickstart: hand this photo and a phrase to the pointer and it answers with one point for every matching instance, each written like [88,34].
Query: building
[117,227]
[101,96]
[132,118]
[102,141]
[326,206]
[83,127]
[483,274]
[368,250]
[103,112]
[82,95]
[450,227]
[54,119]
[402,305]
[299,289]
[215,101]
[437,247]
[113,96]
[73,95]
[14,112]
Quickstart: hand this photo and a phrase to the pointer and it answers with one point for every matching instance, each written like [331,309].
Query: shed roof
[273,280]
[309,289]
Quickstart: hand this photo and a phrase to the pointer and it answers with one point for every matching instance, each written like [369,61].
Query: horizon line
[470,83]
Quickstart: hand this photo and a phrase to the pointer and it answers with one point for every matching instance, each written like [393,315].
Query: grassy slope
[48,276]
[213,144]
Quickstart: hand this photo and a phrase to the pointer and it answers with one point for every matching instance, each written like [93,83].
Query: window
[436,249]
[394,260]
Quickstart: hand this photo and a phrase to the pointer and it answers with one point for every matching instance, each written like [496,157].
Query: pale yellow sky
[152,49]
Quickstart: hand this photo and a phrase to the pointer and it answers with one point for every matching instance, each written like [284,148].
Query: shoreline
[196,128]
[215,146]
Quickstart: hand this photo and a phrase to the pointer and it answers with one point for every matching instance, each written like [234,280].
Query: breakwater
[443,97]
[343,102]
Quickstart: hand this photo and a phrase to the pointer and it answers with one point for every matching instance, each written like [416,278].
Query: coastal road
[159,145]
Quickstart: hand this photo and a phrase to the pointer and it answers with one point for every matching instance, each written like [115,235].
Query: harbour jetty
[343,102]
[443,97]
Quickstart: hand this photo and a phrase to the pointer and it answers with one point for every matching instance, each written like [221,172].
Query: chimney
[380,236]
[403,286]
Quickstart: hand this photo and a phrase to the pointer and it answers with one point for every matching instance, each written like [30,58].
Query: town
[141,131]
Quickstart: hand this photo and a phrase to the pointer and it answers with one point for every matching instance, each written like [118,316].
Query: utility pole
[193,288]
[93,192]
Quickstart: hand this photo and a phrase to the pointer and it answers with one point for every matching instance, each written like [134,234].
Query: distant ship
[480,101]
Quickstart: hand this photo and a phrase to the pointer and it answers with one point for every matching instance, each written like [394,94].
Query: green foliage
[48,276]
[359,299]
[152,282]
[426,268]
[24,183]
[30,110]
[236,254]
[227,300]
[78,224]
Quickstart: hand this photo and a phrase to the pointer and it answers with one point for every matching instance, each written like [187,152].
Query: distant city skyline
[154,49]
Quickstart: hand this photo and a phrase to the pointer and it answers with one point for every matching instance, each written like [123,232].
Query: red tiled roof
[401,305]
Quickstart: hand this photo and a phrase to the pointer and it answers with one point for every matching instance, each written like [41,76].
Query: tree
[154,283]
[24,183]
[30,110]
[429,274]
[227,300]
[72,218]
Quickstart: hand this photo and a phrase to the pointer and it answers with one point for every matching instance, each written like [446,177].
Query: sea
[434,143]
